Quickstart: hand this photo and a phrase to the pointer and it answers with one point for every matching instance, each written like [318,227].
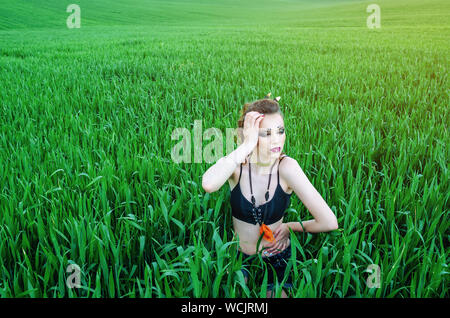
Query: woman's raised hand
[251,128]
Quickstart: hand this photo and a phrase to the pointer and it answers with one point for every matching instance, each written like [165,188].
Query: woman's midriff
[249,236]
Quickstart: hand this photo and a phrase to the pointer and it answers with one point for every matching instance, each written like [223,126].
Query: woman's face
[271,135]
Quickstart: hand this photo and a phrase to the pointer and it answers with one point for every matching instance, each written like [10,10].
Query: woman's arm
[220,172]
[215,176]
[324,218]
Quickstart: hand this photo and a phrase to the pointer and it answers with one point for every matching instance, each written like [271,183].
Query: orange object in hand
[268,234]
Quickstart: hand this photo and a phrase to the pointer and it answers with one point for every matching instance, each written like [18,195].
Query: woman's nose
[275,139]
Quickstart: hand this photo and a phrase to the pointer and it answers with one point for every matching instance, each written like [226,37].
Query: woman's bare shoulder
[286,165]
[284,159]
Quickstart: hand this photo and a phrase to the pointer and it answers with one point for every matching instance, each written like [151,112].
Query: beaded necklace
[268,235]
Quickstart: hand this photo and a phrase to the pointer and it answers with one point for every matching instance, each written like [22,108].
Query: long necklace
[268,235]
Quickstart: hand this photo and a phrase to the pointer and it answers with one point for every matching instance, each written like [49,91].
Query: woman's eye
[268,133]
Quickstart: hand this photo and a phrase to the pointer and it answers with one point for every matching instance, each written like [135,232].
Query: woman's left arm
[324,219]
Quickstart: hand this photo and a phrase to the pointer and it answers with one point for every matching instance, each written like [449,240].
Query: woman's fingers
[281,247]
[275,233]
[270,247]
[247,120]
[250,118]
[252,121]
[278,247]
[255,121]
[274,248]
[258,121]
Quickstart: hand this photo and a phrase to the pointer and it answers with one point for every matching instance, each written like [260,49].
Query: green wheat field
[87,115]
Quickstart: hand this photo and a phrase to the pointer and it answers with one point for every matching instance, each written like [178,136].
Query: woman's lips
[276,149]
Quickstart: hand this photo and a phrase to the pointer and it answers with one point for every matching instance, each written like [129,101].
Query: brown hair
[263,106]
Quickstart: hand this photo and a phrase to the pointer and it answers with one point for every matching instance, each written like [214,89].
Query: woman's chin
[275,154]
[267,159]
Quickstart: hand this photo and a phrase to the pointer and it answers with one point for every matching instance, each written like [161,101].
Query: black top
[272,210]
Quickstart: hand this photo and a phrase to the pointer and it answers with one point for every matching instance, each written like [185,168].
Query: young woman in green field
[258,205]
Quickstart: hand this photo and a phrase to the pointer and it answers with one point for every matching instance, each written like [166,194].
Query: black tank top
[241,208]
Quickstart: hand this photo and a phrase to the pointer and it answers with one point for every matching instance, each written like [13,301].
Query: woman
[258,205]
